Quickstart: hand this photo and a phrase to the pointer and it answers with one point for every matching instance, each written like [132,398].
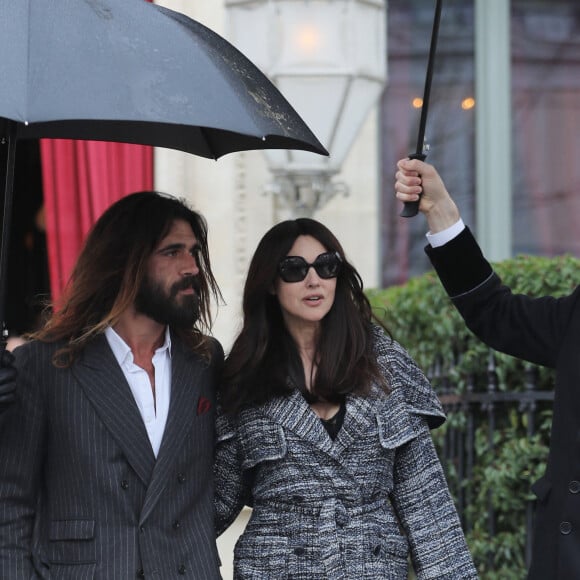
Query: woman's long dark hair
[257,367]
[112,266]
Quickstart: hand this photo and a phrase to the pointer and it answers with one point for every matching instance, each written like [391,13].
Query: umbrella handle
[7,153]
[411,208]
[3,342]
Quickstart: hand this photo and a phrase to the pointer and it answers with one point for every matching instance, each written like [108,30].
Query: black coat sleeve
[529,328]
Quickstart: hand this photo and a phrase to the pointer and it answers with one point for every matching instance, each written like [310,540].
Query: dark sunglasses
[295,268]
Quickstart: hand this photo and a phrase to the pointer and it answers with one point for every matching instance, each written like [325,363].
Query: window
[450,124]
[545,77]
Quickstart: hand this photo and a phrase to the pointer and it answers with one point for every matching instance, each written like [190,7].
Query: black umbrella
[411,208]
[134,72]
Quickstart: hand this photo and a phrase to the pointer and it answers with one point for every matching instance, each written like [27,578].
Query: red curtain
[80,180]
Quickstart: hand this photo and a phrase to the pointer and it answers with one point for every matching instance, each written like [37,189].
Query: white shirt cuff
[444,236]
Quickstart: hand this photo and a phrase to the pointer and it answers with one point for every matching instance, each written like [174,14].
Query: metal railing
[481,404]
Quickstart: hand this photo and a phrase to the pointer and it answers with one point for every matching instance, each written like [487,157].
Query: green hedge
[421,317]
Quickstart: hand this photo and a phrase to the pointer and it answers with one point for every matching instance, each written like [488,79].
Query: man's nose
[190,267]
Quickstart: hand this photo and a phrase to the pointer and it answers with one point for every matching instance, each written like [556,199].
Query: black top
[334,424]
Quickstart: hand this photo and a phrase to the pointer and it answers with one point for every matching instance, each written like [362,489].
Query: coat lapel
[186,369]
[103,382]
[358,420]
[294,413]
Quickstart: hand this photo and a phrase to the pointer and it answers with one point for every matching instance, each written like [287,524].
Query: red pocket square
[203,406]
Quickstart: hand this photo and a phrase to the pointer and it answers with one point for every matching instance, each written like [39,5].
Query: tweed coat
[82,495]
[545,331]
[349,508]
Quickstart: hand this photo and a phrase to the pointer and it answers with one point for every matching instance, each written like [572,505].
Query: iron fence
[481,404]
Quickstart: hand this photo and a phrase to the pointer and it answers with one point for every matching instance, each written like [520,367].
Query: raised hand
[419,181]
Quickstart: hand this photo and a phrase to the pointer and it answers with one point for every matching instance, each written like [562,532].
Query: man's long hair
[112,266]
[257,367]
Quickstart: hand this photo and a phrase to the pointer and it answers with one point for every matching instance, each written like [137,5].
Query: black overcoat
[545,331]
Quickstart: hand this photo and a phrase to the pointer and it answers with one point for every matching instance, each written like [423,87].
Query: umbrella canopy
[134,72]
[131,71]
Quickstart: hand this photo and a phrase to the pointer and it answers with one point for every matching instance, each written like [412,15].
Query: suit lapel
[103,382]
[186,369]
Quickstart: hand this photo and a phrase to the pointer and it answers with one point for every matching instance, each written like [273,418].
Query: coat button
[140,573]
[181,478]
[377,550]
[181,570]
[299,551]
[176,524]
[124,484]
[574,486]
[341,516]
[565,528]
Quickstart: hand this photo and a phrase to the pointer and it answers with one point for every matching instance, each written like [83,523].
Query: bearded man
[106,454]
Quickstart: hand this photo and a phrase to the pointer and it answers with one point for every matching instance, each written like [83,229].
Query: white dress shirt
[153,410]
[444,236]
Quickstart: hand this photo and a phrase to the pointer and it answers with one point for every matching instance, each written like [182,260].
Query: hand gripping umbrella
[134,72]
[411,208]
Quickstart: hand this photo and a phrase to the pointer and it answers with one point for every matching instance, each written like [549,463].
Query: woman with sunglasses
[324,429]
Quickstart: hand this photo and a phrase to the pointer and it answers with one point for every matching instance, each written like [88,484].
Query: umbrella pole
[411,208]
[8,150]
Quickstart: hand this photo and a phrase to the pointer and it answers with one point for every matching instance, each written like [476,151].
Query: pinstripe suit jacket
[350,508]
[81,492]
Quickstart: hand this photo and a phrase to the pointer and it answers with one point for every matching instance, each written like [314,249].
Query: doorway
[28,287]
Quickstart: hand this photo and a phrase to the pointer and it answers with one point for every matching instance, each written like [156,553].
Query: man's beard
[177,311]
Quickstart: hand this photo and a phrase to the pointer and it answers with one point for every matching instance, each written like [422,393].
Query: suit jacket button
[140,573]
[565,528]
[181,570]
[574,486]
[124,484]
[176,524]
[181,478]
